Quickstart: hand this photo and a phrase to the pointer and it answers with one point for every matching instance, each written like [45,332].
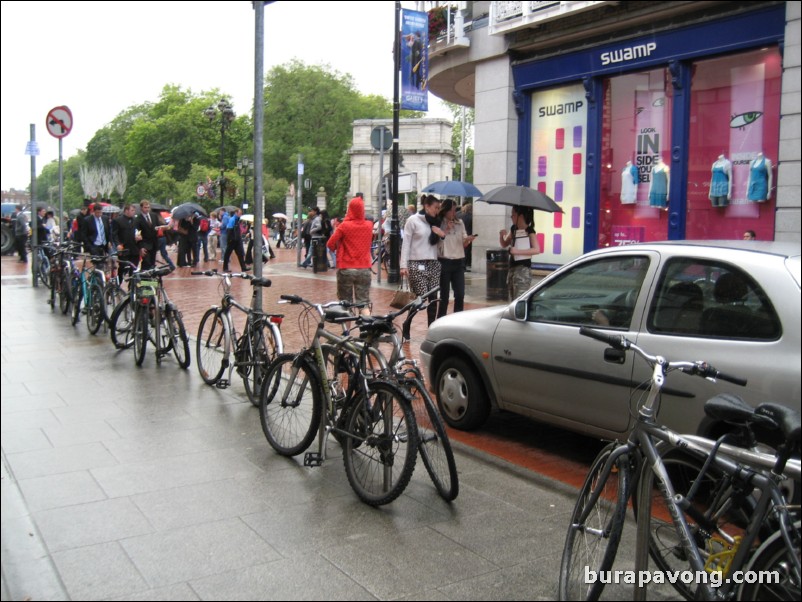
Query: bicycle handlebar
[699,368]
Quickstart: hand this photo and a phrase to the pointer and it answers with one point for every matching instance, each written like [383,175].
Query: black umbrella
[453,188]
[521,195]
[186,209]
[159,207]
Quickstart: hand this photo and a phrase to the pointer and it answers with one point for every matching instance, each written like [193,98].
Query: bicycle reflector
[277,319]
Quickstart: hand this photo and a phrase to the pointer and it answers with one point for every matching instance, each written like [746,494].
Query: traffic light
[387,188]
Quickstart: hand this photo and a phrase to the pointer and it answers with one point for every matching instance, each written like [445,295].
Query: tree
[48,180]
[456,139]
[310,110]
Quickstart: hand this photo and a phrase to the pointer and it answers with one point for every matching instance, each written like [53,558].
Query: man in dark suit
[97,232]
[147,223]
[123,235]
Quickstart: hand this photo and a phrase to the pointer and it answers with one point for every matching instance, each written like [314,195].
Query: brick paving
[549,451]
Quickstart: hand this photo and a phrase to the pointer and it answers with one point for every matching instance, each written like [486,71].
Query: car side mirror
[521,310]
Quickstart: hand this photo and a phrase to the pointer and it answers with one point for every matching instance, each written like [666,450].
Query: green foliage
[309,110]
[169,146]
[456,138]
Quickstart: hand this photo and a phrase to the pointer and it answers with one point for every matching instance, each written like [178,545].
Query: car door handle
[614,356]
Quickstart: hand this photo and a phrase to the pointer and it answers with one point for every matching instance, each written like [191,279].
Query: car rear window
[703,298]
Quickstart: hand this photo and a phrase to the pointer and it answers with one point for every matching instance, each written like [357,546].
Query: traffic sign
[381,138]
[200,190]
[59,121]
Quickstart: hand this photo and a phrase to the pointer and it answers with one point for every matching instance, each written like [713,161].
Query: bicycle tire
[594,532]
[713,498]
[435,447]
[290,404]
[121,328]
[257,362]
[65,293]
[44,271]
[95,308]
[212,347]
[53,294]
[380,432]
[140,333]
[113,295]
[178,336]
[77,298]
[773,556]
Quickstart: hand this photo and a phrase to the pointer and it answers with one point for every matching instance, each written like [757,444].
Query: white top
[416,245]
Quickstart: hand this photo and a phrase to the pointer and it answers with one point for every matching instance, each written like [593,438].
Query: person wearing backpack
[234,242]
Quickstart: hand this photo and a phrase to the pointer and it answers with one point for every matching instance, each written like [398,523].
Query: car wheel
[461,395]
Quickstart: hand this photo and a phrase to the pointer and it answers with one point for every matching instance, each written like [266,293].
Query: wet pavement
[144,483]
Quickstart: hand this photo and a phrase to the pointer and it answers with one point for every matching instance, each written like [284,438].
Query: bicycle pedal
[222,384]
[313,459]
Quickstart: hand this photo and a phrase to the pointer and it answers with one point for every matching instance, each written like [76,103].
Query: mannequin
[759,188]
[721,182]
[629,184]
[658,189]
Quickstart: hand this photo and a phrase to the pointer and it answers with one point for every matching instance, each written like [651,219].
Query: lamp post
[245,168]
[225,113]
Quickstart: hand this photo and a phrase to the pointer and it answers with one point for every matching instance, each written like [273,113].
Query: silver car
[734,304]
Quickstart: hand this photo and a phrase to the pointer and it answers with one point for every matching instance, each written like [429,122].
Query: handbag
[403,296]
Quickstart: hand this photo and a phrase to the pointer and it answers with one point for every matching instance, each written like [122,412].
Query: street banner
[414,60]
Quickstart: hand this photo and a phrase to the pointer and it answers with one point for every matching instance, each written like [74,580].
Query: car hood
[476,322]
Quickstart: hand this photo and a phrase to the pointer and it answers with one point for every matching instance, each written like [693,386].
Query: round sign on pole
[377,141]
[200,190]
[59,121]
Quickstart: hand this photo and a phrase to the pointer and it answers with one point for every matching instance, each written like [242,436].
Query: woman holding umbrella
[522,241]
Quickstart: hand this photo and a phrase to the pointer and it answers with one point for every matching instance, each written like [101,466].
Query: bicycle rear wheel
[774,557]
[44,270]
[290,401]
[65,292]
[212,355]
[95,308]
[263,350]
[595,530]
[715,506]
[113,295]
[178,336]
[77,298]
[435,448]
[141,335]
[122,321]
[381,443]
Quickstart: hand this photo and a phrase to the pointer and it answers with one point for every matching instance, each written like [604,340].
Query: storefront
[667,137]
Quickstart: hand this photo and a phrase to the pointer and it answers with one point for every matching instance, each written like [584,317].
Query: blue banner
[414,60]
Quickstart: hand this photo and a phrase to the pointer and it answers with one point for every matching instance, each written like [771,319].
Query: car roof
[780,248]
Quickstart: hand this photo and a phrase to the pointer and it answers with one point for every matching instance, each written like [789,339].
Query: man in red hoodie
[351,241]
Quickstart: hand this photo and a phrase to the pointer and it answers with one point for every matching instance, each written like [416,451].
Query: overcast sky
[99,58]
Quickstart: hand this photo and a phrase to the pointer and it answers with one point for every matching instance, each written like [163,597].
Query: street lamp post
[244,168]
[226,116]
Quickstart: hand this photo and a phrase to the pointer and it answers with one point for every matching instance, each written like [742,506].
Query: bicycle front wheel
[77,298]
[141,318]
[212,353]
[178,336]
[95,309]
[113,295]
[122,321]
[44,270]
[595,530]
[381,443]
[435,448]
[289,407]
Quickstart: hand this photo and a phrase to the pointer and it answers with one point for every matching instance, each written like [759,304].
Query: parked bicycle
[157,320]
[253,350]
[372,418]
[59,276]
[87,290]
[727,505]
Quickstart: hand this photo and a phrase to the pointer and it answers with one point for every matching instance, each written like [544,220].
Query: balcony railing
[453,34]
[509,16]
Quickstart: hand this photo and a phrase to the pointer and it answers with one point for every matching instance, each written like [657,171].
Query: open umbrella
[111,209]
[280,215]
[186,209]
[248,217]
[521,195]
[158,207]
[453,188]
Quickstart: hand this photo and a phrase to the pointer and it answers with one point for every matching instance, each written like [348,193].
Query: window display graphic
[658,188]
[557,168]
